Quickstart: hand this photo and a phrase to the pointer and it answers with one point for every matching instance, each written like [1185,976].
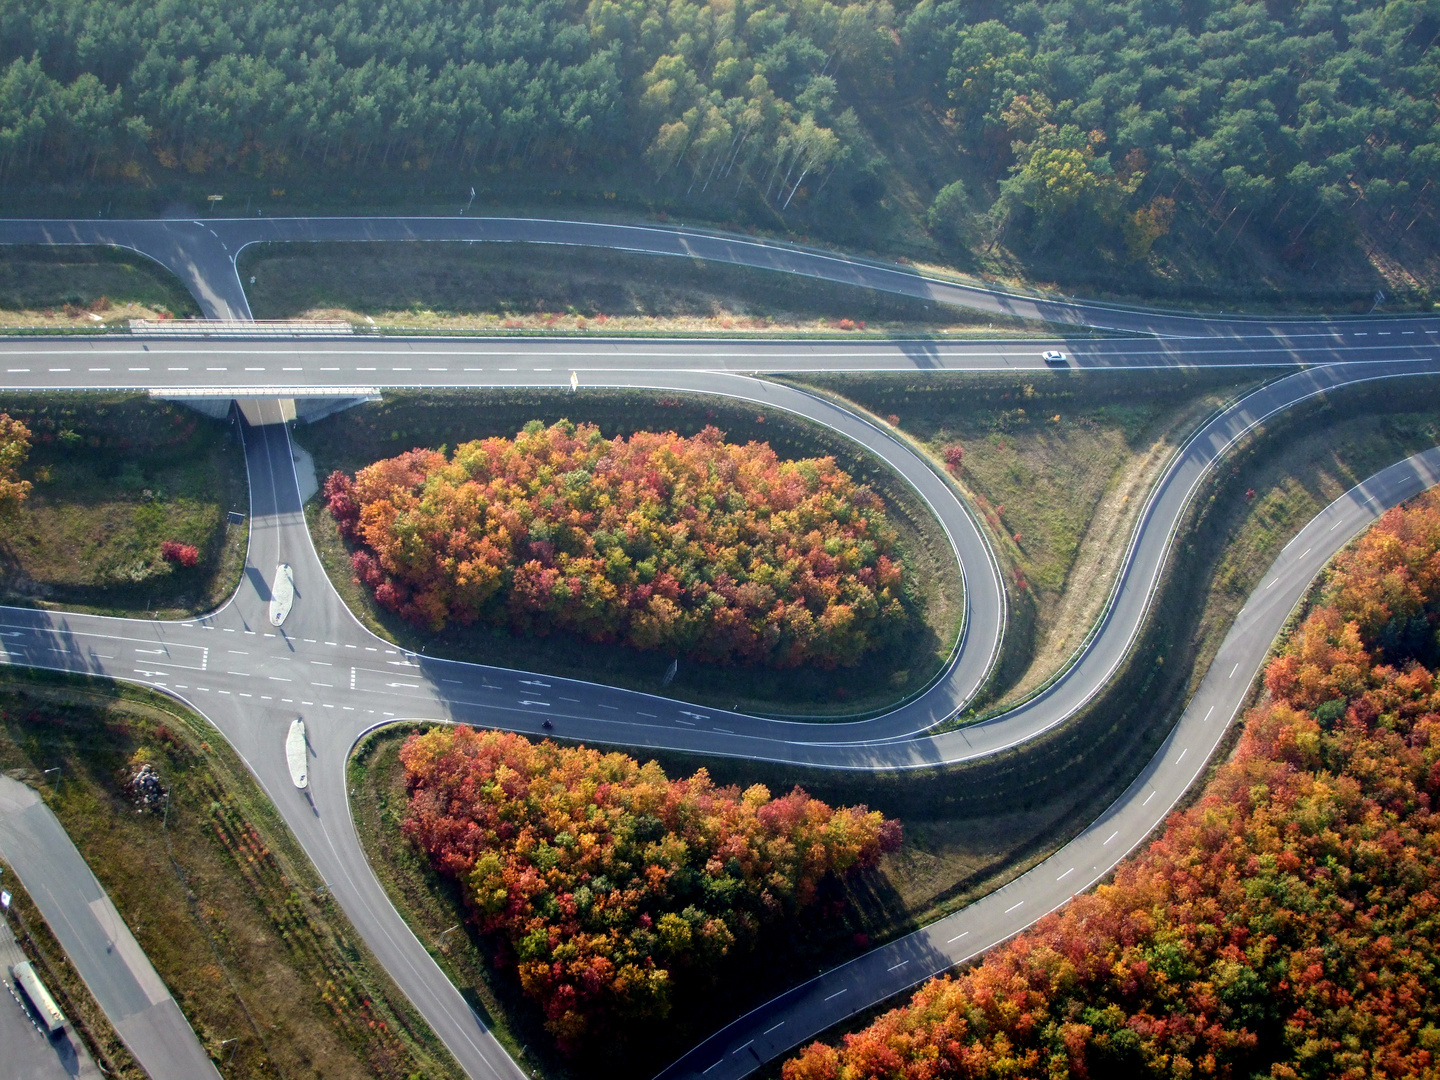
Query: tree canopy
[1284,926]
[605,879]
[1078,120]
[692,546]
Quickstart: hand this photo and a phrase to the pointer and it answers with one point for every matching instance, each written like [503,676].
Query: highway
[251,679]
[100,946]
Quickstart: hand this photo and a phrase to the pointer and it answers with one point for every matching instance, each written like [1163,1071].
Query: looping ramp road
[252,679]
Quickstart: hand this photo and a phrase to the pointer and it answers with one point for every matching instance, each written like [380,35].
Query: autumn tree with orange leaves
[604,879]
[691,546]
[1285,926]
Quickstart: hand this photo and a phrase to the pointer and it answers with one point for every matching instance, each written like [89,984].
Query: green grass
[115,476]
[541,287]
[64,284]
[362,435]
[1057,466]
[215,889]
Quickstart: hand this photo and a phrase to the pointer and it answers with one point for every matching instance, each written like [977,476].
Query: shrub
[604,878]
[690,546]
[176,552]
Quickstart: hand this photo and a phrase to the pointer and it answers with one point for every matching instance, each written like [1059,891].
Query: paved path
[252,681]
[28,1052]
[95,938]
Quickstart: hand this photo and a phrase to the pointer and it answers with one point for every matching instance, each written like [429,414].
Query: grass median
[513,287]
[365,434]
[117,475]
[85,287]
[264,965]
[1057,466]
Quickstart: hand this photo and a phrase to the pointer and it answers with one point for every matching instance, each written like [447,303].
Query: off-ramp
[251,679]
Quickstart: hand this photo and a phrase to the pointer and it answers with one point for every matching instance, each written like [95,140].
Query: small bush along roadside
[1283,926]
[692,546]
[604,879]
[176,552]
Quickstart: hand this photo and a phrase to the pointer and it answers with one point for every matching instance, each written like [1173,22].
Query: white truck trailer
[44,1005]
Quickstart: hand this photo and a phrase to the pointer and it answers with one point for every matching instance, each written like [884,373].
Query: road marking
[777,1027]
[416,686]
[277,678]
[1207,715]
[282,369]
[217,369]
[1271,585]
[457,682]
[240,674]
[1111,837]
[687,723]
[651,715]
[322,663]
[898,966]
[402,369]
[247,369]
[837,993]
[23,370]
[1233,670]
[704,1071]
[67,369]
[1306,552]
[1014,907]
[329,369]
[1148,798]
[723,731]
[739,1048]
[364,369]
[177,369]
[99,369]
[957,937]
[1066,874]
[612,708]
[1182,755]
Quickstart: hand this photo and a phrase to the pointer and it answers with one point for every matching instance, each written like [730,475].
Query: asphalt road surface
[30,1053]
[96,939]
[251,680]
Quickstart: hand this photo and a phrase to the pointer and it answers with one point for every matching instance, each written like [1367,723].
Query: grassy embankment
[518,288]
[1057,466]
[970,829]
[215,889]
[362,435]
[85,288]
[115,476]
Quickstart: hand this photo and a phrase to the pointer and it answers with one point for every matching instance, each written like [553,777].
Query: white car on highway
[1053,357]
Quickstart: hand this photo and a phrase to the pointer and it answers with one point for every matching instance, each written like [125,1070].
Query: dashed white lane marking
[957,937]
[104,369]
[177,369]
[254,369]
[739,1048]
[837,993]
[687,723]
[329,369]
[1066,874]
[1272,584]
[322,663]
[897,967]
[18,370]
[277,678]
[1111,837]
[55,369]
[1182,755]
[777,1027]
[1306,552]
[1014,907]
[1148,798]
[1207,715]
[651,715]
[1335,526]
[723,731]
[1233,670]
[139,369]
[612,708]
[704,1071]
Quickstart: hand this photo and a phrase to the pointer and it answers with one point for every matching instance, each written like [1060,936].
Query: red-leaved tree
[692,546]
[1282,927]
[605,879]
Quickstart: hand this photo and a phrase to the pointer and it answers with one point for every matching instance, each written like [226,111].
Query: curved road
[251,680]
